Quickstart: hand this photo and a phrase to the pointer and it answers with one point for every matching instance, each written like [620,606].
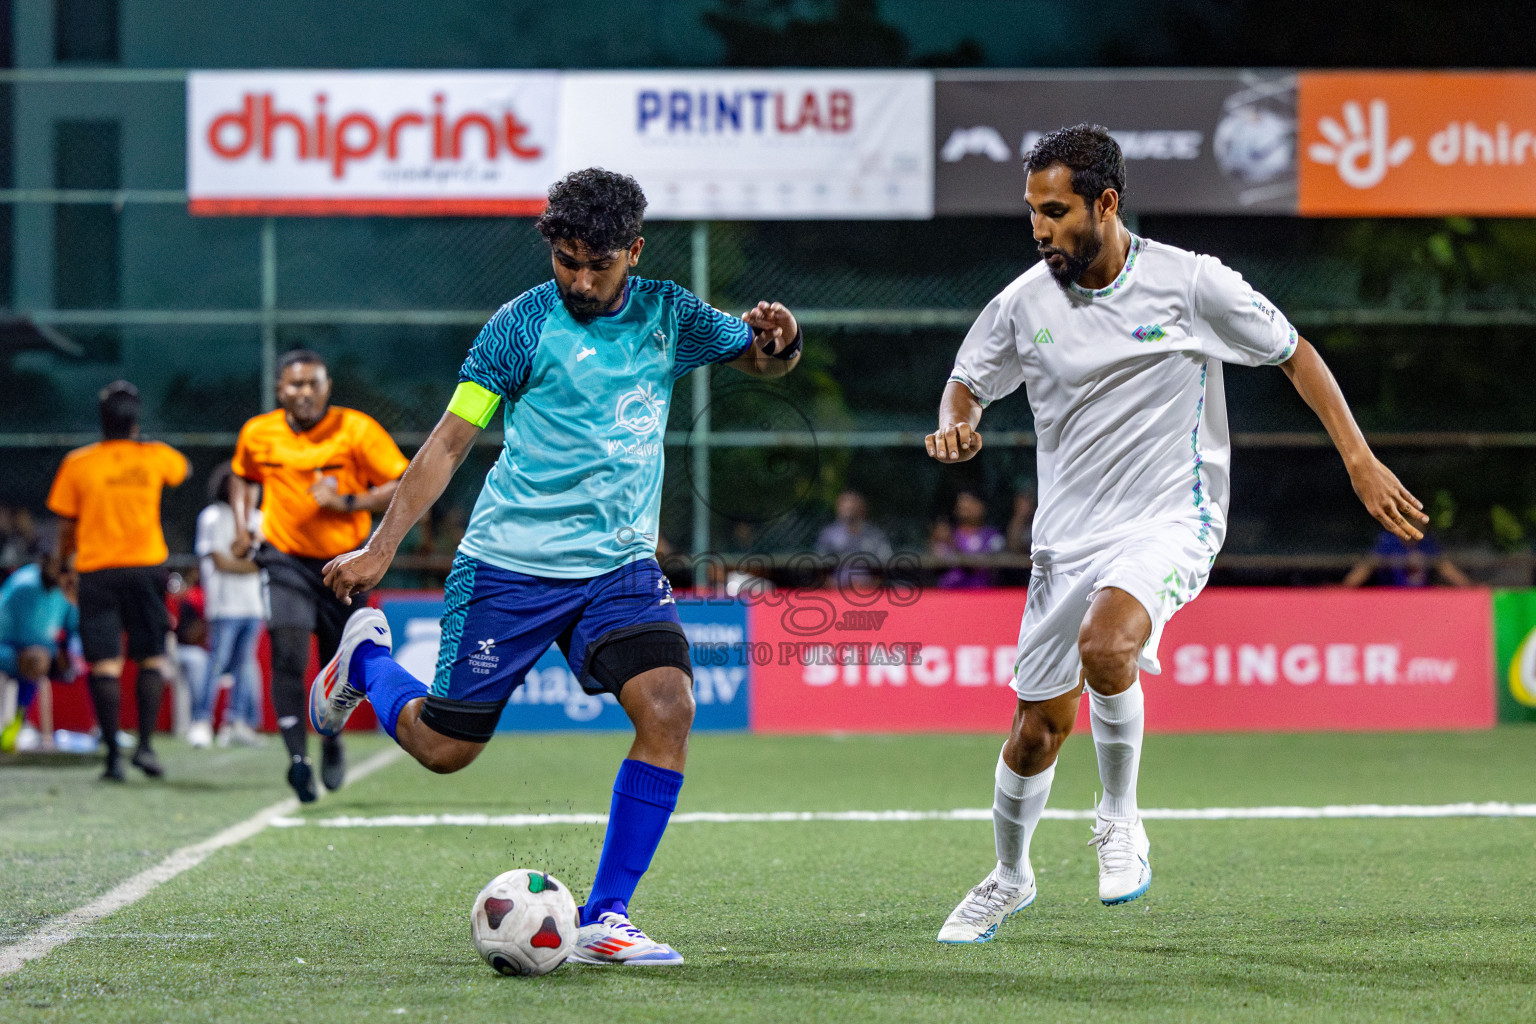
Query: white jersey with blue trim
[576,492]
[1125,385]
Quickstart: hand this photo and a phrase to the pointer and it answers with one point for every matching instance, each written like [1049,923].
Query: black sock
[106,692]
[151,688]
[290,657]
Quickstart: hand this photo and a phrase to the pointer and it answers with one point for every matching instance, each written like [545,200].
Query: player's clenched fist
[354,572]
[953,444]
[773,326]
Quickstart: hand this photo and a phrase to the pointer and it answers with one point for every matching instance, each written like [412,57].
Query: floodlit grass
[1262,920]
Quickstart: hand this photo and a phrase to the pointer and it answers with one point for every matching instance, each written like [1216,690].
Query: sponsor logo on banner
[1514,631]
[1418,143]
[1238,659]
[1234,660]
[550,696]
[370,142]
[758,144]
[891,661]
[1216,142]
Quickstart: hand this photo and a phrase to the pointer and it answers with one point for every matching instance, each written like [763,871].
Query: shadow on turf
[47,759]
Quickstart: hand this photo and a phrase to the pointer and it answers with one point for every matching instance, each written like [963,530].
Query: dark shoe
[333,765]
[146,762]
[114,770]
[302,778]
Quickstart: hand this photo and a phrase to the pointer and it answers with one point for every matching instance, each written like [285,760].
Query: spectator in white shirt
[235,607]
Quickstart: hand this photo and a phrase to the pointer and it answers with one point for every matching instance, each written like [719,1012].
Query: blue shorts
[497,623]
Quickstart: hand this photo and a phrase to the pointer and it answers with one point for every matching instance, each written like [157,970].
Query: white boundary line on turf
[1334,811]
[73,924]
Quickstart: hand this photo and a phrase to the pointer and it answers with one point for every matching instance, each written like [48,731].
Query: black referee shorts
[115,601]
[300,599]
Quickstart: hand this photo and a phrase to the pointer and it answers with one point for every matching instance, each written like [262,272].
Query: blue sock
[389,687]
[25,691]
[644,797]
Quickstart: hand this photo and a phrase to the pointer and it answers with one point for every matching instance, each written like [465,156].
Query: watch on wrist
[349,500]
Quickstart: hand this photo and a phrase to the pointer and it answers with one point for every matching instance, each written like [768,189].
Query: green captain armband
[474,403]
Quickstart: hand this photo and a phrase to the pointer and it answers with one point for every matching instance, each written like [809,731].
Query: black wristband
[350,500]
[791,350]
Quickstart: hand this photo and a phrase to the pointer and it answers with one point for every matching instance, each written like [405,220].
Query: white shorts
[1163,569]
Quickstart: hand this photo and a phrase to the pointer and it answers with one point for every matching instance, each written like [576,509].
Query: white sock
[1118,724]
[1017,804]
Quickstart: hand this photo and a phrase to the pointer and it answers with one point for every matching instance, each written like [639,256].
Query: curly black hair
[1090,152]
[601,209]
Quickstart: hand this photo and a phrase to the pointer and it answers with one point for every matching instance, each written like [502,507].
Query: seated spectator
[1021,527]
[187,645]
[1020,535]
[1394,562]
[972,536]
[20,539]
[37,604]
[851,534]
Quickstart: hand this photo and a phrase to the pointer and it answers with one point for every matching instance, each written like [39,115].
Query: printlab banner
[401,143]
[1233,660]
[759,145]
[1220,142]
[550,698]
[1418,144]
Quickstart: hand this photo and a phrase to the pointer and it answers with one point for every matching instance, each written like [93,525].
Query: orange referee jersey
[112,491]
[347,445]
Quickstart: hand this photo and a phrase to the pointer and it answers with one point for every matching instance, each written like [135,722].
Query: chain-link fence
[110,276]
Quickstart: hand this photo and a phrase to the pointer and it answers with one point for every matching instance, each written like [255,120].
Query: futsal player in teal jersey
[560,547]
[37,603]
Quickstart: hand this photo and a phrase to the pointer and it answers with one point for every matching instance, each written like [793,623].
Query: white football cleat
[332,698]
[200,735]
[1124,871]
[612,939]
[984,908]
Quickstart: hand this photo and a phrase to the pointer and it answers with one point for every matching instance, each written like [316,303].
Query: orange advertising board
[1416,144]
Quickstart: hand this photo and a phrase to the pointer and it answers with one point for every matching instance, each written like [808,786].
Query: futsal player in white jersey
[1119,342]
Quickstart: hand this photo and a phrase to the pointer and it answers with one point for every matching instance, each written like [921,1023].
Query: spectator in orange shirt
[107,496]
[323,470]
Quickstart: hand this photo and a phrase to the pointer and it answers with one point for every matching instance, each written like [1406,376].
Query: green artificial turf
[1261,920]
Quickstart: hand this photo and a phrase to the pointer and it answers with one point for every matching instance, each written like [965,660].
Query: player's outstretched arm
[1379,490]
[956,440]
[423,483]
[774,351]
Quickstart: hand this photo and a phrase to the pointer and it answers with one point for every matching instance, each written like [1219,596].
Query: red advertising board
[823,663]
[1239,659]
[1234,660]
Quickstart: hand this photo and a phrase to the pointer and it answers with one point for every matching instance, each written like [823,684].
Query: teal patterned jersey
[576,491]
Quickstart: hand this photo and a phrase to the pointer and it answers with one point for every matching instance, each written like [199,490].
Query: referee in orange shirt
[107,496]
[323,470]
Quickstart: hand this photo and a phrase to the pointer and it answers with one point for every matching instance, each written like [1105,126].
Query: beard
[1073,265]
[584,310]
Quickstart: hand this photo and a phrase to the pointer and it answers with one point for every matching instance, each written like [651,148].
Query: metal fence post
[700,434]
[268,314]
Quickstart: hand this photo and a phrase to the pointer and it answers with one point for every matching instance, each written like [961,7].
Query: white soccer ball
[524,922]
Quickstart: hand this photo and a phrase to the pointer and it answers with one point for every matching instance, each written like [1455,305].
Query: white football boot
[984,908]
[332,698]
[1124,870]
[612,939]
[200,735]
